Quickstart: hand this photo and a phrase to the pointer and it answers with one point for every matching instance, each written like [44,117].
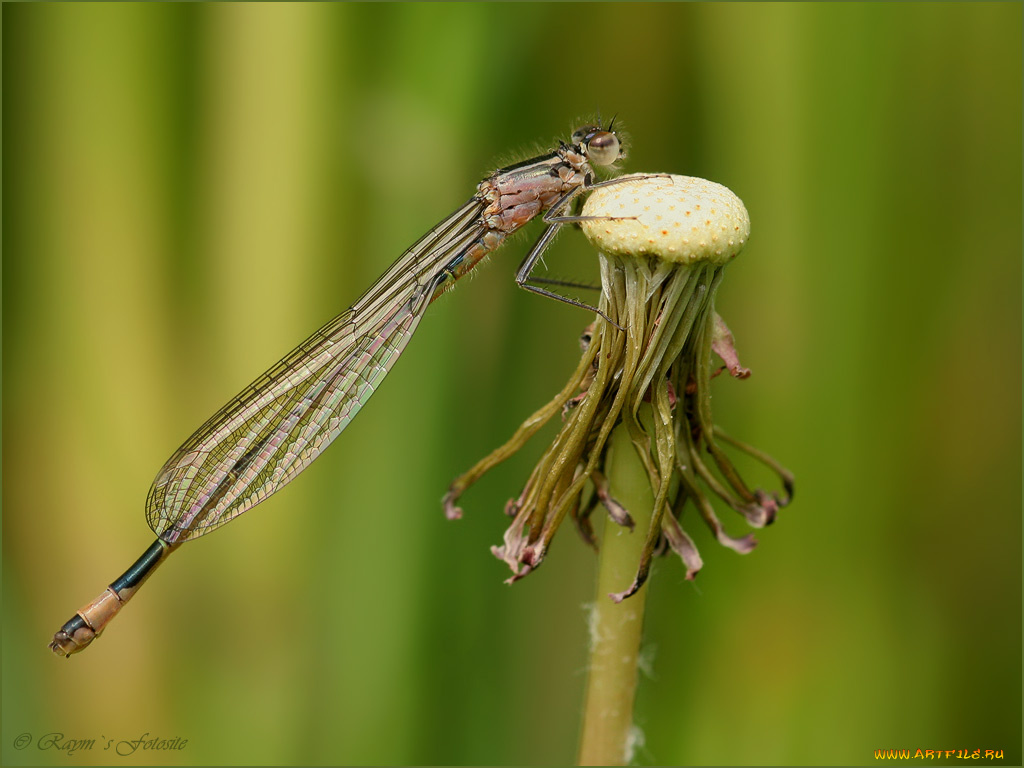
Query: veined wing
[280,423]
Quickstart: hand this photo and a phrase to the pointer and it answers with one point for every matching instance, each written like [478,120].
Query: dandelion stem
[608,736]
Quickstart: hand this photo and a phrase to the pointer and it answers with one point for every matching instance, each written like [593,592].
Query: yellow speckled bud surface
[677,218]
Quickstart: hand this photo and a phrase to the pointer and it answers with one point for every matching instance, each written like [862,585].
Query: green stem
[616,628]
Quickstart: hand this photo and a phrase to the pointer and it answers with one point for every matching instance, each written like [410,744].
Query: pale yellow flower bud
[675,218]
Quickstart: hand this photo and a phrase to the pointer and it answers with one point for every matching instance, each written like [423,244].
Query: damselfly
[276,427]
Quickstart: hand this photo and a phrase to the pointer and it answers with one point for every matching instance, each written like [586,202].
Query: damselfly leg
[524,278]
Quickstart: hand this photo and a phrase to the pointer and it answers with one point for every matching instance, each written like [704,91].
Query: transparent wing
[275,427]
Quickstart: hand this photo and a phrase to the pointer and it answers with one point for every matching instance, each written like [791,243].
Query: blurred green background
[189,190]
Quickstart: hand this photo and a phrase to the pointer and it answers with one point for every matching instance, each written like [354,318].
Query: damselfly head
[602,147]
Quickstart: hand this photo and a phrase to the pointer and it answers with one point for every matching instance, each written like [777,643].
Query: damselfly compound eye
[603,148]
[582,135]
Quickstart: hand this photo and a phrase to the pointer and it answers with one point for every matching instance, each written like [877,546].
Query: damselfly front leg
[524,278]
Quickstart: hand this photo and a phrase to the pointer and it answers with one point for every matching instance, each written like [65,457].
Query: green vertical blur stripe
[89,195]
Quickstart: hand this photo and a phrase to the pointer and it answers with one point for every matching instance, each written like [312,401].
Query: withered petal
[723,345]
[682,545]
